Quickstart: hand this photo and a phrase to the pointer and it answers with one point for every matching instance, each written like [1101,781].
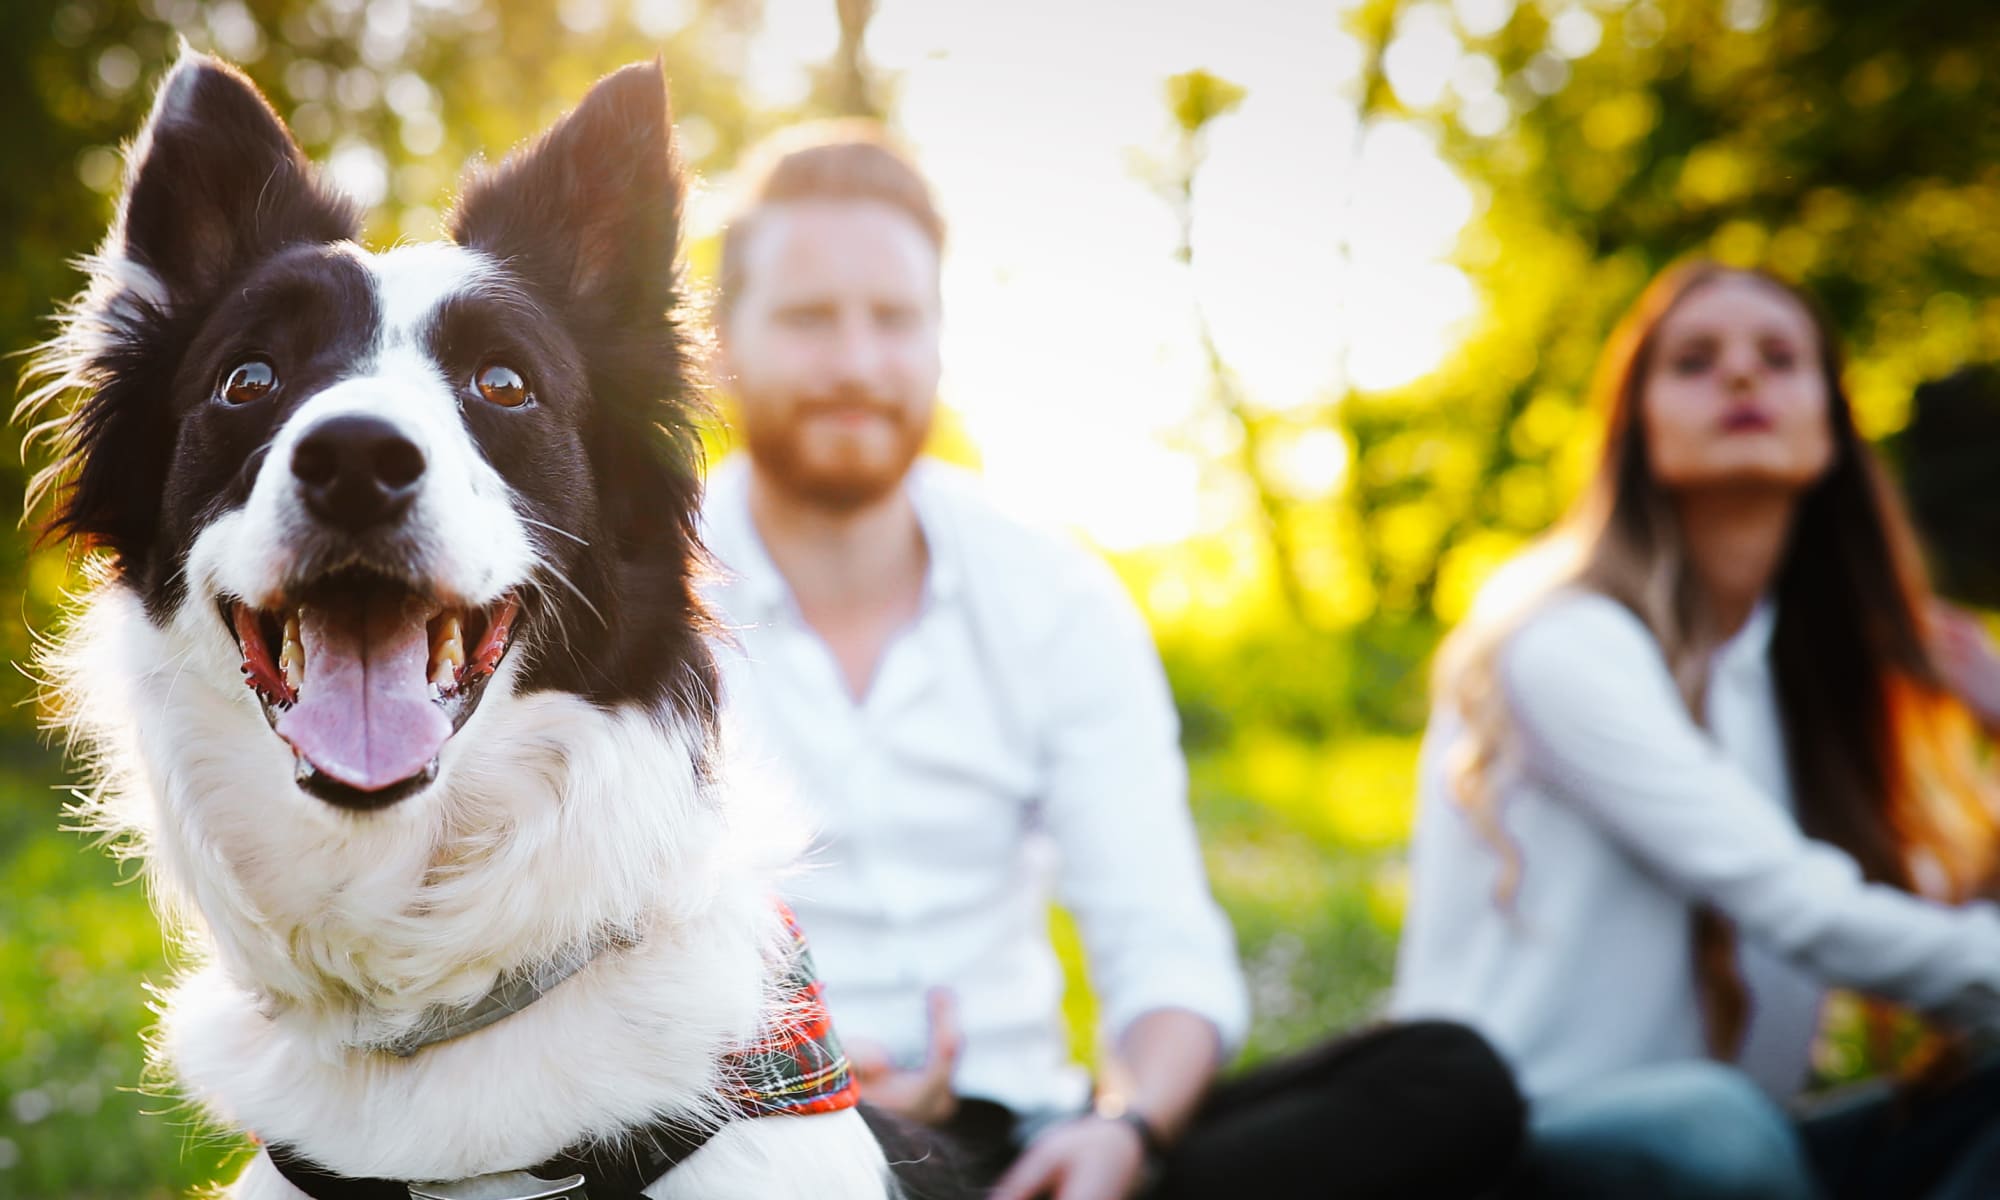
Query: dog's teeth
[447,652]
[292,655]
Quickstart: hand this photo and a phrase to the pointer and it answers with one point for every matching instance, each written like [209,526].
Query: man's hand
[1090,1158]
[922,1095]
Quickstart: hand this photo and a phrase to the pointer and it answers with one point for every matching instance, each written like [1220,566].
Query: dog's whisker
[180,665]
[553,529]
[546,570]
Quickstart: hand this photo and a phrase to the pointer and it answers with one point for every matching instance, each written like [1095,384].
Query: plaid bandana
[797,1066]
[794,1068]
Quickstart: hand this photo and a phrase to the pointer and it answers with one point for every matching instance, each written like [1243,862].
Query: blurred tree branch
[847,84]
[1196,99]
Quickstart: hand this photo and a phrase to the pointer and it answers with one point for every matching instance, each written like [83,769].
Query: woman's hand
[1968,660]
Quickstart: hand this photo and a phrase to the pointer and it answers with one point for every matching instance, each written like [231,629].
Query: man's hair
[847,159]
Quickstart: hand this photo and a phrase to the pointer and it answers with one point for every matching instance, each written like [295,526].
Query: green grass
[77,948]
[1303,845]
[1303,850]
[1312,896]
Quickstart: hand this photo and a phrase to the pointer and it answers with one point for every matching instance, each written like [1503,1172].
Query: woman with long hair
[1708,749]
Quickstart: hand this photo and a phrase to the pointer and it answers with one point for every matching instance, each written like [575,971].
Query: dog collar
[511,993]
[794,1068]
[617,1171]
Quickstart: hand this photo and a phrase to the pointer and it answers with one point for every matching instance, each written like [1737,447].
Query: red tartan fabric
[797,1066]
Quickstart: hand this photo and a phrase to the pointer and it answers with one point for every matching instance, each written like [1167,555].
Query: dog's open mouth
[367,679]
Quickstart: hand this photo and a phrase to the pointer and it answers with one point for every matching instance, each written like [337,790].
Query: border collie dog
[396,678]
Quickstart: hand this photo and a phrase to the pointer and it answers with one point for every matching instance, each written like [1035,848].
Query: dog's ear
[589,214]
[212,183]
[215,182]
[588,217]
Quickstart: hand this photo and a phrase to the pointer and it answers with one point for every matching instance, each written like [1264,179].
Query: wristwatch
[1149,1138]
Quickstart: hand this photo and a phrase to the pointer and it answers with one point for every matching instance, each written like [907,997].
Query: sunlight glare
[659,18]
[1482,18]
[797,35]
[1311,465]
[359,169]
[1409,202]
[1071,345]
[1412,319]
[1423,56]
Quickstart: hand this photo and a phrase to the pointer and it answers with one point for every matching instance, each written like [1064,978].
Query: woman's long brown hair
[1882,755]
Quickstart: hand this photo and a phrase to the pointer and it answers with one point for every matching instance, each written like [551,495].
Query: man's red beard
[840,477]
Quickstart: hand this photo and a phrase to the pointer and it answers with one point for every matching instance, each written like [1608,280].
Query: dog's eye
[248,382]
[502,385]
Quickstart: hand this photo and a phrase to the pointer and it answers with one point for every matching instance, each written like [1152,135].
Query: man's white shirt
[1017,734]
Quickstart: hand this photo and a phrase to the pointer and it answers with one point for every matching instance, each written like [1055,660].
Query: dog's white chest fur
[225,1049]
[564,820]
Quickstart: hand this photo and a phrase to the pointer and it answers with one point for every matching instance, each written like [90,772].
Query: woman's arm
[1601,726]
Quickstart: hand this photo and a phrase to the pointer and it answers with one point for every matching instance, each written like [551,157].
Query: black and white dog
[397,679]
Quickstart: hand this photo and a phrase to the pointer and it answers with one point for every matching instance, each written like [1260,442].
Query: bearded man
[971,709]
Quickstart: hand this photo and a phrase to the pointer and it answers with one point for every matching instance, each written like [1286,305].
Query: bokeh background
[1285,305]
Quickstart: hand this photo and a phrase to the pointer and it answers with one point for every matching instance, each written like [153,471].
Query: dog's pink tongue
[365,715]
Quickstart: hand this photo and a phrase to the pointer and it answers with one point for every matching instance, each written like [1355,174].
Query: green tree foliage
[1849,146]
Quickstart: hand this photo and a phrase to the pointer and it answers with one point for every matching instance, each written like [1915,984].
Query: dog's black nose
[356,471]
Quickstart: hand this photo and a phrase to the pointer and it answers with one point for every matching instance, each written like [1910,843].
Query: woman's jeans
[1703,1131]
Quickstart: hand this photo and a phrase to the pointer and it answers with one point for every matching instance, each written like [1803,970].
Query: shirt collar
[746,583]
[946,574]
[1749,648]
[746,563]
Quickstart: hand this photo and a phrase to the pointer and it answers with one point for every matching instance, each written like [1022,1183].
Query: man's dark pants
[1419,1111]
